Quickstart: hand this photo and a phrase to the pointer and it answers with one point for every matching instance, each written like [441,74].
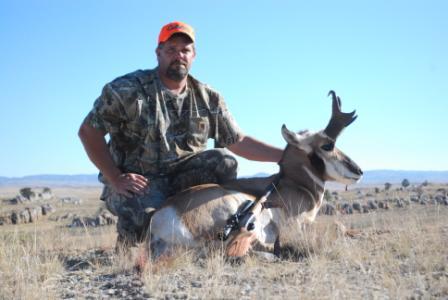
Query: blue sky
[274,62]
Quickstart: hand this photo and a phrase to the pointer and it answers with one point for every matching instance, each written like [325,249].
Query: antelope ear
[289,136]
[296,140]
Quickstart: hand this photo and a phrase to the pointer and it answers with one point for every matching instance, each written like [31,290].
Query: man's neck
[176,87]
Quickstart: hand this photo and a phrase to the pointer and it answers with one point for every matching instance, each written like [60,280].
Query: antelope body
[308,161]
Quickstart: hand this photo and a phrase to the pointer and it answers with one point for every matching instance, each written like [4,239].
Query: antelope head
[317,153]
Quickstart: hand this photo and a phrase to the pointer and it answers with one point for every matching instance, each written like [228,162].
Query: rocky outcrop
[357,206]
[103,218]
[71,200]
[327,209]
[346,209]
[26,215]
[27,195]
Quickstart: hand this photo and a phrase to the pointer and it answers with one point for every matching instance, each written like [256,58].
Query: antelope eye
[327,147]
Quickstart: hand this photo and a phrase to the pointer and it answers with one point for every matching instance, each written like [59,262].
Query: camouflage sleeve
[226,130]
[108,111]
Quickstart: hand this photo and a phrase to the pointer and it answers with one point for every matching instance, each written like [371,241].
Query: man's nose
[179,55]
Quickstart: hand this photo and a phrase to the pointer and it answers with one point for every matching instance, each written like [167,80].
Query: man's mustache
[178,62]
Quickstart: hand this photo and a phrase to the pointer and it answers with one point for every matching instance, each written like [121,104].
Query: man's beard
[177,71]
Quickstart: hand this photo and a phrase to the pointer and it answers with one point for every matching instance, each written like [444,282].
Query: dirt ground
[398,253]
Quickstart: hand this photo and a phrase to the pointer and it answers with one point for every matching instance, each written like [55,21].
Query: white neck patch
[316,180]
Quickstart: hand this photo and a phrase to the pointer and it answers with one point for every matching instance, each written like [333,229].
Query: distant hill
[396,176]
[370,177]
[51,180]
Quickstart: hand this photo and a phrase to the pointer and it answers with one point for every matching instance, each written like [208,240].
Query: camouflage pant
[211,166]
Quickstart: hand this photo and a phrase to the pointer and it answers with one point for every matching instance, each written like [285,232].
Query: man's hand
[129,184]
[126,184]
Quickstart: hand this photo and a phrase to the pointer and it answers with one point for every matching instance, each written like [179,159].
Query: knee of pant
[227,168]
[127,232]
[134,230]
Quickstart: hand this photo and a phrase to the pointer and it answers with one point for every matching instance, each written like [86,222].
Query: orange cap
[175,27]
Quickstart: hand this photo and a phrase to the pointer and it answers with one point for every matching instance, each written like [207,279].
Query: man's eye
[327,147]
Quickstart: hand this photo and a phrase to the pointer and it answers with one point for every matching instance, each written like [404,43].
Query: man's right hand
[129,184]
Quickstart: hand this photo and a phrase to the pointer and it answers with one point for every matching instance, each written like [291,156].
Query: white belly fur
[168,230]
[166,225]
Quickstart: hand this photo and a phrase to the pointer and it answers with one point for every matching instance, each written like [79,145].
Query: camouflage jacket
[151,130]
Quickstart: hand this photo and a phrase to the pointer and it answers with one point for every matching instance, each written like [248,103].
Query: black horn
[339,120]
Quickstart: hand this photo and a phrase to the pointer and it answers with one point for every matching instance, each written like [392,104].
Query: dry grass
[399,254]
[27,272]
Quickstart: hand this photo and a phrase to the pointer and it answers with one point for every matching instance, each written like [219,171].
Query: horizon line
[96,174]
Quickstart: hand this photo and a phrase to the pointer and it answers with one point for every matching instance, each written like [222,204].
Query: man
[158,122]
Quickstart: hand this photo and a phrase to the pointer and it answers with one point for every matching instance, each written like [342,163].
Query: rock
[19,199]
[102,219]
[30,195]
[71,200]
[111,292]
[440,199]
[24,216]
[69,294]
[196,284]
[357,206]
[137,283]
[263,256]
[327,209]
[34,214]
[15,218]
[414,198]
[347,209]
[365,209]
[47,209]
[399,203]
[46,194]
[83,222]
[372,204]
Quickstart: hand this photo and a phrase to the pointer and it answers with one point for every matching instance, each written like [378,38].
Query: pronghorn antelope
[308,161]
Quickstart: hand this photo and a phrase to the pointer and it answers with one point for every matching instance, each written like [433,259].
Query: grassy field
[400,253]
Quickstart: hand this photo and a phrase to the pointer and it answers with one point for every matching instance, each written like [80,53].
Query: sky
[273,61]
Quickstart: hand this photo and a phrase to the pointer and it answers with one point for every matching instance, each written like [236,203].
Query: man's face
[175,57]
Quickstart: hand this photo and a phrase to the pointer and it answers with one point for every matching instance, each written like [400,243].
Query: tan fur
[240,244]
[253,186]
[209,203]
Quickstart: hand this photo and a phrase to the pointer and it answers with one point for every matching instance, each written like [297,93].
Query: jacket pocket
[199,128]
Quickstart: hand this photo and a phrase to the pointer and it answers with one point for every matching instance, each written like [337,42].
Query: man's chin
[177,75]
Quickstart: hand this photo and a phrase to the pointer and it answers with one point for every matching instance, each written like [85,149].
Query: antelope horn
[339,120]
